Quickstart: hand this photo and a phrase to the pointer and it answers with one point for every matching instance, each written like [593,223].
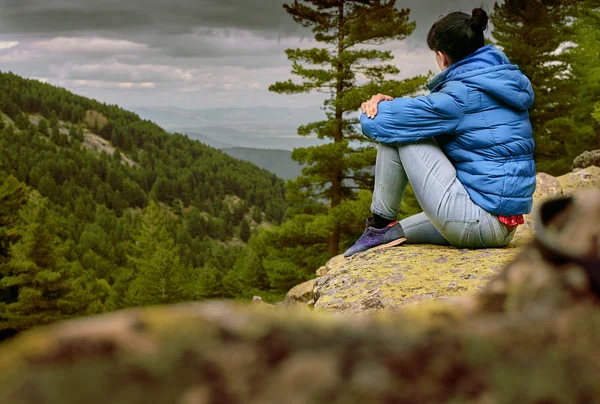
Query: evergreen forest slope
[93,200]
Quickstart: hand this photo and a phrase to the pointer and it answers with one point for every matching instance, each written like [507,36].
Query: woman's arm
[405,120]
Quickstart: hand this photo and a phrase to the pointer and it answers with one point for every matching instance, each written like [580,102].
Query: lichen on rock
[395,277]
[392,278]
[578,179]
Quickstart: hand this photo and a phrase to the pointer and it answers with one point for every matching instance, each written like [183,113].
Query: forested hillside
[146,218]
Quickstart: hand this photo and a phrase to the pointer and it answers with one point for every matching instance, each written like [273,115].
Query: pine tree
[530,32]
[348,71]
[162,190]
[159,276]
[22,121]
[237,215]
[43,127]
[13,195]
[245,231]
[248,277]
[584,61]
[256,215]
[55,133]
[37,276]
[47,186]
[207,284]
[535,34]
[196,224]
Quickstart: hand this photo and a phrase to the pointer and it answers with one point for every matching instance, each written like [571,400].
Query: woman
[466,148]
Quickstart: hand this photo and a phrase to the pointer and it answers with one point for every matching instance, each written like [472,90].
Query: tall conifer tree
[350,72]
[585,68]
[159,275]
[556,43]
[37,282]
[535,36]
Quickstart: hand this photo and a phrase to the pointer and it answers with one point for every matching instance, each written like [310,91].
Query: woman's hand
[369,108]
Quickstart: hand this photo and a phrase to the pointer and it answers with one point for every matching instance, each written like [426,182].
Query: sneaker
[373,238]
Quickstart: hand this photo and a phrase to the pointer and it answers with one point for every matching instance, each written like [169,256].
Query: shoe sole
[394,243]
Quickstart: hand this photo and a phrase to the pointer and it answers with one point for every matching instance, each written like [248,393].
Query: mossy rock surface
[395,277]
[582,178]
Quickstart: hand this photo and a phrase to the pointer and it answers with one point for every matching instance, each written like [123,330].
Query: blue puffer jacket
[477,109]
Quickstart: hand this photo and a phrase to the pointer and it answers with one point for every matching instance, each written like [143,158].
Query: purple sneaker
[373,238]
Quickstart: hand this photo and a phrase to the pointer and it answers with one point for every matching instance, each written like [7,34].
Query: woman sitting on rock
[466,148]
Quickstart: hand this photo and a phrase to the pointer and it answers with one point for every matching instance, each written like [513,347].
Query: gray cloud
[171,17]
[184,20]
[183,52]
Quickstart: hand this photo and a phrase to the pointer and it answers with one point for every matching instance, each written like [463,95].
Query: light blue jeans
[449,215]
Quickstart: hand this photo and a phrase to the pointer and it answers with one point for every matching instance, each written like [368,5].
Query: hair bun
[479,19]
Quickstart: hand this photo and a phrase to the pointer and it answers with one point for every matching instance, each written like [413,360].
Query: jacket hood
[489,70]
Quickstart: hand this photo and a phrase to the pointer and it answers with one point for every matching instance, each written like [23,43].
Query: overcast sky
[186,53]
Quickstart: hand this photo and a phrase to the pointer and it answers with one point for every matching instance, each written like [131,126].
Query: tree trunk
[333,242]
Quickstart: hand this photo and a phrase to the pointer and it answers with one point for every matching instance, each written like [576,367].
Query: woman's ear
[443,60]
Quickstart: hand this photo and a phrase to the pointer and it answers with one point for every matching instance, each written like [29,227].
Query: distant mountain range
[208,141]
[279,162]
[257,127]
[264,136]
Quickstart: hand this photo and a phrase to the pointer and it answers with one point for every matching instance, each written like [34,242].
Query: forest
[78,225]
[155,218]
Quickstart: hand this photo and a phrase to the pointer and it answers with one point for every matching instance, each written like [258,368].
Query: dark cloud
[188,28]
[426,12]
[177,17]
[170,17]
[184,52]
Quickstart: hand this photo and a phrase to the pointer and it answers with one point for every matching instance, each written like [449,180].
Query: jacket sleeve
[406,120]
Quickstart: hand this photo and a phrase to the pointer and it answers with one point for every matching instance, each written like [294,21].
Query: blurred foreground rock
[530,335]
[395,277]
[559,268]
[224,353]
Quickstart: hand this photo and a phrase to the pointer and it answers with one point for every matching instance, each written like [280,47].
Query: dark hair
[458,34]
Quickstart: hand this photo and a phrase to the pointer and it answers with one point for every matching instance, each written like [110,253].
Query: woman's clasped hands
[369,108]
